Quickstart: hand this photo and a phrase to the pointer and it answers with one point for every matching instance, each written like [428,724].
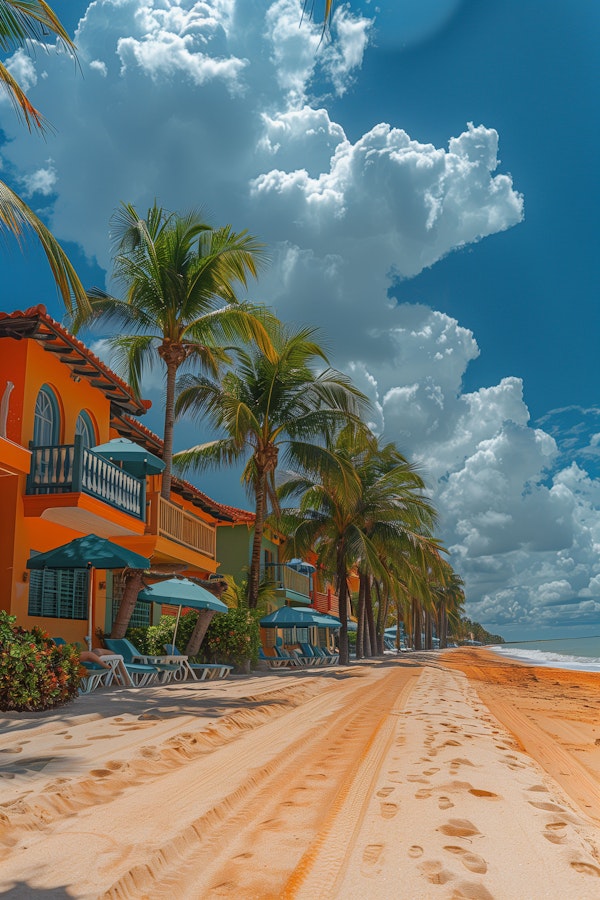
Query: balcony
[288,581]
[71,485]
[170,521]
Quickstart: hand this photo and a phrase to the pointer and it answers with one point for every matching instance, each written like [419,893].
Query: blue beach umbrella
[181,592]
[134,459]
[89,552]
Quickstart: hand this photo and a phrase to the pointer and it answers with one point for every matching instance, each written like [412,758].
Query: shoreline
[454,774]
[554,713]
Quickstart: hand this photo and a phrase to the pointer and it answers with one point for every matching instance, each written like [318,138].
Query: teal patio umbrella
[134,459]
[181,592]
[89,552]
[288,617]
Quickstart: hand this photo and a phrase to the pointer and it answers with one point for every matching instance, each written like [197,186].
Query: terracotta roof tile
[35,323]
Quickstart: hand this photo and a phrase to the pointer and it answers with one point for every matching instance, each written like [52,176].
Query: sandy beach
[455,775]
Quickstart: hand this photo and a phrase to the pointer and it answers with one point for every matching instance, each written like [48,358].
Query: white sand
[371,782]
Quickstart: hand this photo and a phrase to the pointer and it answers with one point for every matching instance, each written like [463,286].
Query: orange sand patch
[554,714]
[376,781]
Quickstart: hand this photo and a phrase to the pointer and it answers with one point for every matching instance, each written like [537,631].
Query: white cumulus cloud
[223,104]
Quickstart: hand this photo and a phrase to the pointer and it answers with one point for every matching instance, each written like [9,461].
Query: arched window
[85,429]
[46,419]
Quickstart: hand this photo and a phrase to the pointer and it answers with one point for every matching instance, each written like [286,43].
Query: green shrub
[232,637]
[35,674]
[151,640]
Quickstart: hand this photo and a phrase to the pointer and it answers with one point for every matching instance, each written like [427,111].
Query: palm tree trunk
[200,628]
[428,630]
[342,588]
[133,585]
[416,624]
[360,633]
[382,612]
[443,626]
[370,617]
[168,430]
[259,527]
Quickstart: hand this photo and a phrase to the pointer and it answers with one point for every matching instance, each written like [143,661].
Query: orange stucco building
[57,402]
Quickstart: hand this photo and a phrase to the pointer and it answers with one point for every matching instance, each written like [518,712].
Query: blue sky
[451,267]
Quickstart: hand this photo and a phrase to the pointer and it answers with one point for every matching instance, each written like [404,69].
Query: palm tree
[264,404]
[180,303]
[309,7]
[361,512]
[22,22]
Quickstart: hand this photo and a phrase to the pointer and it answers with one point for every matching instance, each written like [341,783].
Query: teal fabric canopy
[181,592]
[134,459]
[89,551]
[294,616]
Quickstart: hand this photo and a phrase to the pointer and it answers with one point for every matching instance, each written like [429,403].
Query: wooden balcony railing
[72,468]
[171,521]
[285,577]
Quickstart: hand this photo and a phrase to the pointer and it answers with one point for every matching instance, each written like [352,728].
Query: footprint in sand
[100,773]
[385,791]
[459,828]
[435,872]
[371,854]
[486,795]
[468,890]
[471,861]
[431,771]
[538,787]
[417,778]
[585,868]
[388,810]
[415,851]
[445,803]
[423,794]
[548,807]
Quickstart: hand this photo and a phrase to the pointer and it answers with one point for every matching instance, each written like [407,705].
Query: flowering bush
[232,637]
[35,674]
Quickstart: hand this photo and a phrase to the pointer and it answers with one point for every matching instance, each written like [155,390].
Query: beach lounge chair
[95,676]
[315,659]
[273,662]
[331,659]
[141,674]
[199,671]
[290,659]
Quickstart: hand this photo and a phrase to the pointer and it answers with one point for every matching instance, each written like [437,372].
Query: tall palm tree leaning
[181,307]
[265,404]
[180,304]
[21,24]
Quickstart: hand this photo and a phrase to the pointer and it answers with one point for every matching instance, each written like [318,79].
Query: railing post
[78,451]
[142,501]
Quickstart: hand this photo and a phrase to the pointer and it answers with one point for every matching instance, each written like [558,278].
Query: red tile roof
[35,323]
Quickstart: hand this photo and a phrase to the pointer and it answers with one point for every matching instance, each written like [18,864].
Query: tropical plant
[35,674]
[180,305]
[24,23]
[233,638]
[265,404]
[363,506]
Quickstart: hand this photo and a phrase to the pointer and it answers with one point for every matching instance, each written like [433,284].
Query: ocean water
[582,654]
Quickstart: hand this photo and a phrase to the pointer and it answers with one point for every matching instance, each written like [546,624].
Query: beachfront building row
[58,402]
